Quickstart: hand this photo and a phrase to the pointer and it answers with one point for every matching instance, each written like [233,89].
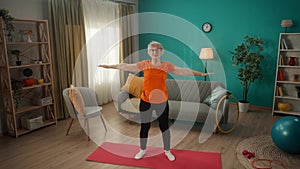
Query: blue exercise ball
[286,134]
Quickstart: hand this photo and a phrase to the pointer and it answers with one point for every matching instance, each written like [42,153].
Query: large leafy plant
[8,20]
[247,58]
[17,91]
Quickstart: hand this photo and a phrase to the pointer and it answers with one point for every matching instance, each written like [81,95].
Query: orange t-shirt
[154,88]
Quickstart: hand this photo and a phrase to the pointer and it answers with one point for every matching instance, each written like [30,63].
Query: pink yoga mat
[155,158]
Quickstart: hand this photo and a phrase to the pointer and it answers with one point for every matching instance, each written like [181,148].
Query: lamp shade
[286,23]
[206,53]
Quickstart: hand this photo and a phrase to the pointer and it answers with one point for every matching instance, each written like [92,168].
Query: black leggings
[162,112]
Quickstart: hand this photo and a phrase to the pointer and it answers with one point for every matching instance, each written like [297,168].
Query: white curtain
[102,35]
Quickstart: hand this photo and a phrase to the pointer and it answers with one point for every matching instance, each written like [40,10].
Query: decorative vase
[296,78]
[29,38]
[292,61]
[40,81]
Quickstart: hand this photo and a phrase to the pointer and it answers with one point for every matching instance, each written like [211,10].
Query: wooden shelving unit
[36,56]
[289,46]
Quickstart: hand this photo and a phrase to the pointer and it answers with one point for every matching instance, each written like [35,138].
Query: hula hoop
[237,118]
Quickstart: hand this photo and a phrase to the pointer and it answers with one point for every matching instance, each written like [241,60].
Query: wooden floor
[50,148]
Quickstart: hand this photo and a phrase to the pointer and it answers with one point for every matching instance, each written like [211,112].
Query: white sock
[170,156]
[140,154]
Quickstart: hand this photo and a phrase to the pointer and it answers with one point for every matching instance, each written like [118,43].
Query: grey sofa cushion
[188,111]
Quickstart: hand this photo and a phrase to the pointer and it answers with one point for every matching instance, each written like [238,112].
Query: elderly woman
[154,97]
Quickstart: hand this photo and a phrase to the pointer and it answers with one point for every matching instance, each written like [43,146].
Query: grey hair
[155,43]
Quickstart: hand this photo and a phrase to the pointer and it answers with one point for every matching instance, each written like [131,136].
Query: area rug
[264,148]
[155,157]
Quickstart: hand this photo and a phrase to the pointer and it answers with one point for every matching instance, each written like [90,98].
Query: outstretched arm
[122,66]
[188,72]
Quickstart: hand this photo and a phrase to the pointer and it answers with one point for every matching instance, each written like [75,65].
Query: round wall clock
[206,27]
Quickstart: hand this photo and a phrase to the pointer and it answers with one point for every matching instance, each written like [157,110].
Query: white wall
[26,9]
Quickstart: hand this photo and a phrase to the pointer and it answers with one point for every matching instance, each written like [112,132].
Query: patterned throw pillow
[76,99]
[134,85]
[216,95]
[207,100]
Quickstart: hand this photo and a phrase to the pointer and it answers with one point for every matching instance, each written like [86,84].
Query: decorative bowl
[283,106]
[29,82]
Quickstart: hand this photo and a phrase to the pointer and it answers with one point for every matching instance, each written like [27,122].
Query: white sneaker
[170,156]
[140,154]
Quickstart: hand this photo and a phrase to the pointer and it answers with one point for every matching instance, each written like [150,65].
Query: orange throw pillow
[76,99]
[134,85]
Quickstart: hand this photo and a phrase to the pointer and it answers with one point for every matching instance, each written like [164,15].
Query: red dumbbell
[248,154]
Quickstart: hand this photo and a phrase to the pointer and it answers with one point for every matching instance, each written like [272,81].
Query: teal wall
[231,20]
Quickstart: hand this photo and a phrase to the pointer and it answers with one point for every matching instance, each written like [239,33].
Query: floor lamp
[206,54]
[286,23]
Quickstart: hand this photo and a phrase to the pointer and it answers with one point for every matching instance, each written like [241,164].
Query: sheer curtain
[127,36]
[102,37]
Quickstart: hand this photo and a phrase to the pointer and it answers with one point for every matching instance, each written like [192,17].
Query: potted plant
[17,92]
[9,26]
[247,58]
[17,53]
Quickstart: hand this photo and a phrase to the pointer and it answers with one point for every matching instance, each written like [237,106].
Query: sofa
[189,100]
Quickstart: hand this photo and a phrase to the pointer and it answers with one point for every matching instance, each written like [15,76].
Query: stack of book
[283,44]
[279,91]
[280,76]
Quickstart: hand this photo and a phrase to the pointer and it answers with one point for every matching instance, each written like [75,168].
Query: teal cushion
[216,95]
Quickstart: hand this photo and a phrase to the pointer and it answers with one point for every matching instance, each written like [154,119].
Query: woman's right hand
[105,66]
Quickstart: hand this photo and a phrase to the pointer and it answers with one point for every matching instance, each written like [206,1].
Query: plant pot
[243,107]
[18,62]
